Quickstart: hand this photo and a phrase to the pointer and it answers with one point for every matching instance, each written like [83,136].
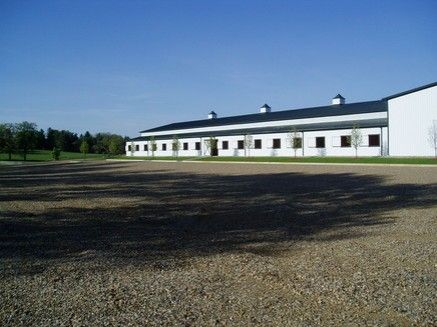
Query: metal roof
[420,88]
[367,123]
[324,111]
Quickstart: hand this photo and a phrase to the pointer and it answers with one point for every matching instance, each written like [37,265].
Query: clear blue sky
[123,66]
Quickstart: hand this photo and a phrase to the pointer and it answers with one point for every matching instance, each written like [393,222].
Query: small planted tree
[56,153]
[432,137]
[152,145]
[132,148]
[248,144]
[175,146]
[295,141]
[356,139]
[84,148]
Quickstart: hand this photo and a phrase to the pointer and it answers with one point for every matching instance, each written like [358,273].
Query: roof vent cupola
[338,99]
[265,109]
[212,115]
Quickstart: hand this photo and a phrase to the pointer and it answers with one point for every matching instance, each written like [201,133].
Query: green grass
[155,158]
[372,160]
[46,155]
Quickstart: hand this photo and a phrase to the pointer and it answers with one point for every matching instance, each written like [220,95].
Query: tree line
[24,137]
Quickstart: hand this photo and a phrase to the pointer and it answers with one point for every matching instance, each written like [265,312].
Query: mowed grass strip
[364,160]
[46,155]
[173,158]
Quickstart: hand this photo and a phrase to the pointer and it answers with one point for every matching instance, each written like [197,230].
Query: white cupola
[265,109]
[212,115]
[338,99]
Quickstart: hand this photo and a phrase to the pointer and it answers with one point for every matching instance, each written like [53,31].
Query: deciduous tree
[356,138]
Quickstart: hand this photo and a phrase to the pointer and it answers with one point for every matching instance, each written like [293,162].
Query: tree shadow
[146,217]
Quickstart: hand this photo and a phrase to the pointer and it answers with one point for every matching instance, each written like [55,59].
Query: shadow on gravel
[145,217]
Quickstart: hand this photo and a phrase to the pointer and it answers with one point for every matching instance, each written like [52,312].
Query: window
[185,145]
[297,142]
[137,147]
[164,147]
[257,144]
[374,140]
[276,143]
[146,148]
[346,141]
[197,145]
[129,147]
[241,144]
[320,142]
[225,145]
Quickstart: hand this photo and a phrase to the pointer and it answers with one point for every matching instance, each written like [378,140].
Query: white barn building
[397,125]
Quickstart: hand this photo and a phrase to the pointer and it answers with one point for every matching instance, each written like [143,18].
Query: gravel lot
[193,244]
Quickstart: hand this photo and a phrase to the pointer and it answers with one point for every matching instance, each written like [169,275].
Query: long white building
[398,125]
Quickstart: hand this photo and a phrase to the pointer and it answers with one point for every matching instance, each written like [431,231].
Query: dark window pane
[137,147]
[345,141]
[374,140]
[225,145]
[197,145]
[258,144]
[241,144]
[129,147]
[145,147]
[320,142]
[164,147]
[185,146]
[276,143]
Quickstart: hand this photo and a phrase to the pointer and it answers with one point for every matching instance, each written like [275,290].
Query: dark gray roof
[266,106]
[332,110]
[367,123]
[410,91]
[212,113]
[338,96]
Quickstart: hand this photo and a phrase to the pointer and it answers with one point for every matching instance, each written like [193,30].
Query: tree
[132,148]
[56,153]
[84,147]
[175,145]
[116,144]
[432,136]
[7,139]
[26,137]
[248,143]
[294,140]
[356,138]
[40,139]
[152,145]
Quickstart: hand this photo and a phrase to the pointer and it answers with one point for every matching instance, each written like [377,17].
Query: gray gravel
[190,244]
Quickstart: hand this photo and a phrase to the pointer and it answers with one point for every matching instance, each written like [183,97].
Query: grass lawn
[155,158]
[373,160]
[46,155]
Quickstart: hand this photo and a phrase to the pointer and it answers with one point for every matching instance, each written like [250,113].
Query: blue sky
[124,66]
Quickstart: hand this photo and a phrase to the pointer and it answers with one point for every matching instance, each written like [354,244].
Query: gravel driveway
[195,244]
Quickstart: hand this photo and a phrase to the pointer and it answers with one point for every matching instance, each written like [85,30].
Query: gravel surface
[191,244]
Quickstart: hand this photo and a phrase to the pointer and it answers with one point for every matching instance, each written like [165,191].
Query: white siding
[332,147]
[410,117]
